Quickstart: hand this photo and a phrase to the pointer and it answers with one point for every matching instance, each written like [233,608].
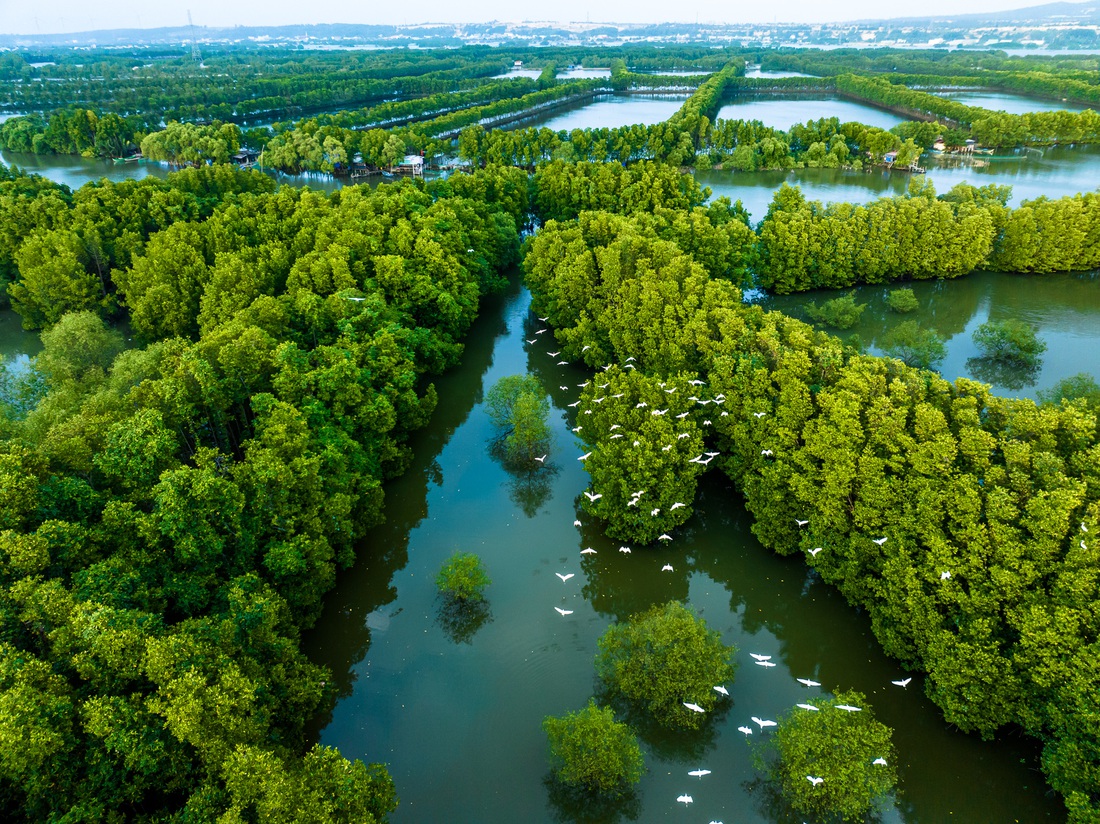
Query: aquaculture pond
[781,112]
[756,71]
[454,707]
[1053,172]
[608,111]
[1064,309]
[1013,103]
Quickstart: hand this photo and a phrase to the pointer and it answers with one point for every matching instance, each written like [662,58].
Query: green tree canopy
[518,406]
[463,578]
[593,752]
[664,658]
[833,761]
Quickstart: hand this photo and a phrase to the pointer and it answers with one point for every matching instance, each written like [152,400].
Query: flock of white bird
[758,658]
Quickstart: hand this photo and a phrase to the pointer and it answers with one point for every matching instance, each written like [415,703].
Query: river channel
[454,708]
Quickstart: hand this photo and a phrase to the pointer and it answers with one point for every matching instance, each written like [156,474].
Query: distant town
[1054,26]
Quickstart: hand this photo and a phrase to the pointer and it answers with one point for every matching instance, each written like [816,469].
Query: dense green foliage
[664,658]
[463,578]
[915,346]
[902,301]
[172,515]
[593,752]
[1009,340]
[519,407]
[840,748]
[837,313]
[961,522]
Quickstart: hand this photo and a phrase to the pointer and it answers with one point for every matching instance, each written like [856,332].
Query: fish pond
[782,112]
[608,111]
[1053,172]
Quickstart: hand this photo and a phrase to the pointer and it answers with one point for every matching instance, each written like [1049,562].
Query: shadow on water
[456,711]
[342,635]
[568,806]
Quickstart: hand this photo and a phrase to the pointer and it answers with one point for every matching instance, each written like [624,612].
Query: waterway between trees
[455,709]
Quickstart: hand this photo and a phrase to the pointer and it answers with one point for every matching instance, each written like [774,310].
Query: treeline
[172,515]
[240,85]
[313,147]
[801,245]
[962,523]
[63,246]
[989,128]
[961,62]
[806,245]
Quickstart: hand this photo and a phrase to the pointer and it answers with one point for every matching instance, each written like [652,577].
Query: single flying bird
[759,414]
[686,799]
[879,762]
[554,354]
[813,779]
[765,664]
[807,682]
[698,773]
[945,575]
[810,707]
[879,541]
[588,551]
[543,458]
[746,730]
[767,453]
[815,550]
[848,708]
[721,690]
[625,550]
[565,576]
[592,497]
[904,682]
[664,537]
[760,657]
[762,723]
[800,523]
[576,523]
[693,707]
[561,611]
[585,457]
[667,568]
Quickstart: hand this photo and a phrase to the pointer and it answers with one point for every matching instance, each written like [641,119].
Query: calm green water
[455,711]
[584,74]
[784,112]
[608,111]
[17,345]
[1054,172]
[1064,309]
[1012,103]
[756,71]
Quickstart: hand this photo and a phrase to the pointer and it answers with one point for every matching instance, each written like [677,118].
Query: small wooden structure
[411,165]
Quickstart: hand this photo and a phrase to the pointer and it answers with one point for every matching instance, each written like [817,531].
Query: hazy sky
[28,17]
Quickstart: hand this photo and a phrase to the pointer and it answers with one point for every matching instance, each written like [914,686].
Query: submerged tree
[592,752]
[1009,341]
[838,313]
[666,659]
[463,578]
[837,760]
[907,342]
[901,300]
[518,406]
